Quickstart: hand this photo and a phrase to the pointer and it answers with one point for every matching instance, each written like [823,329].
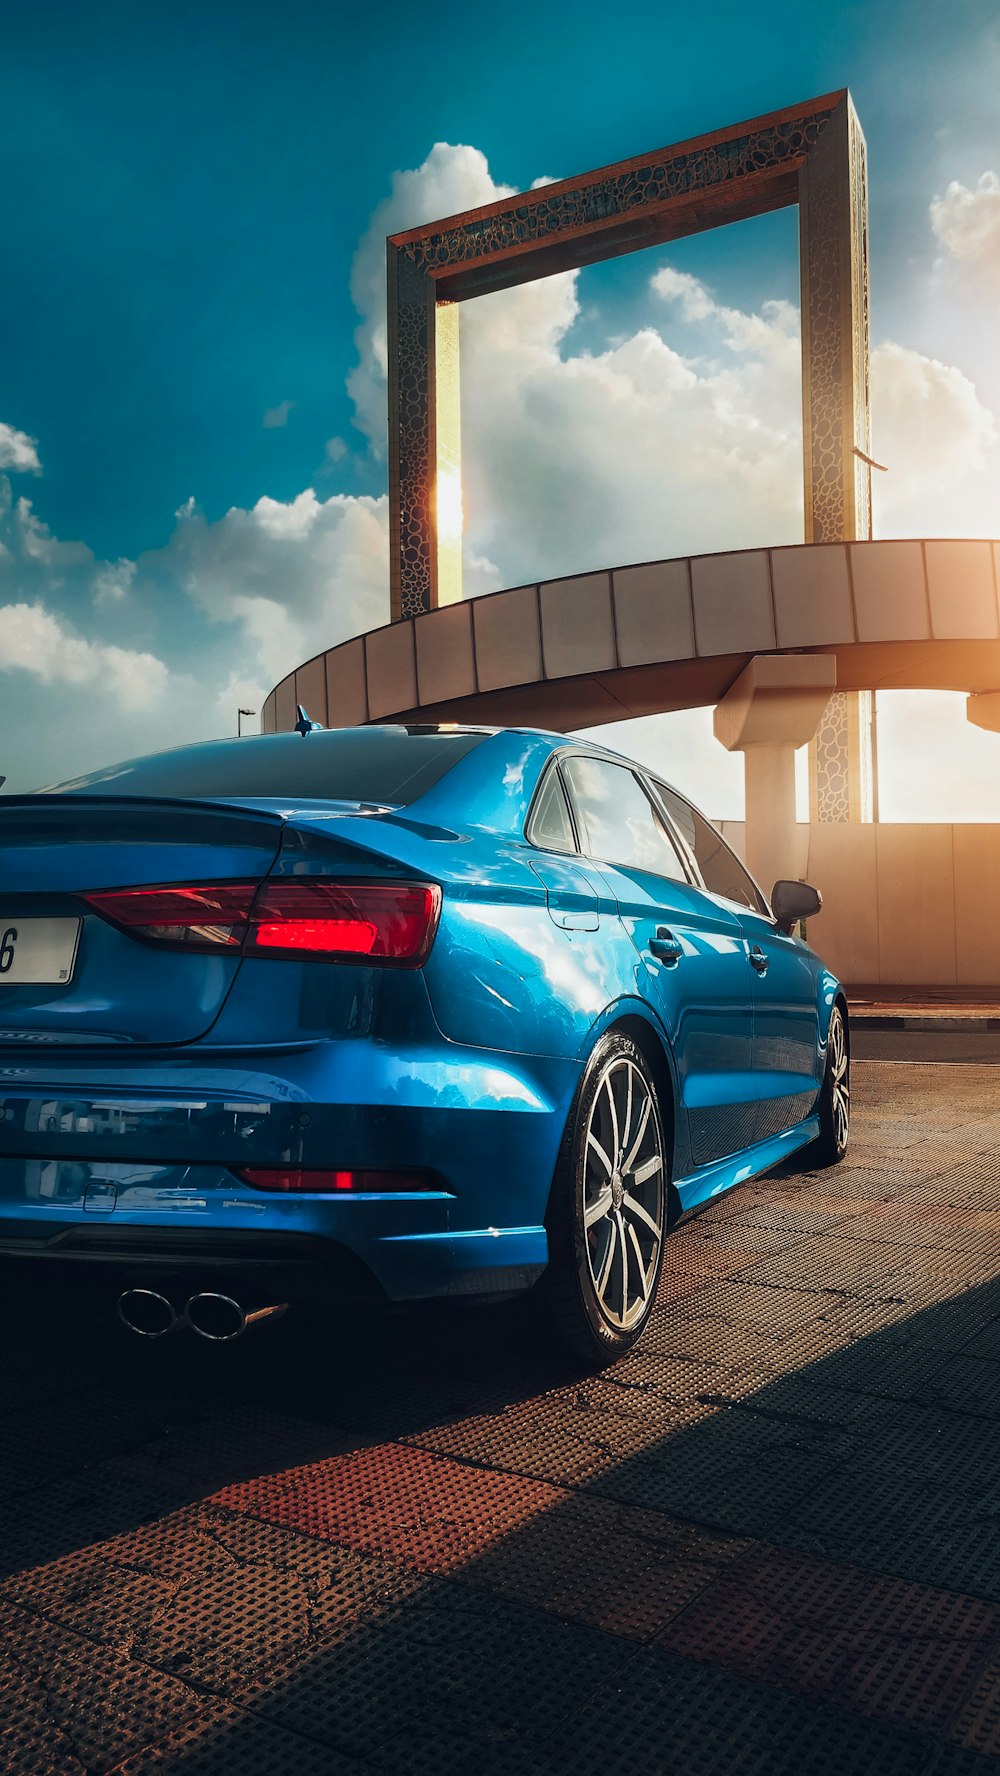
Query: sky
[192,391]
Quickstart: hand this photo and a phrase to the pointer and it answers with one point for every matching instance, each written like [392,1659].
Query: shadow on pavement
[766,1542]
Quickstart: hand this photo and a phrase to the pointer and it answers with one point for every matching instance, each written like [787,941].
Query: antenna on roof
[304,726]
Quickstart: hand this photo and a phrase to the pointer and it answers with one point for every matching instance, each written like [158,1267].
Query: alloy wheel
[840,1081]
[623,1193]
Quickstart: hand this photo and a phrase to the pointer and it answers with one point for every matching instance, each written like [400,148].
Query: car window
[391,765]
[618,819]
[551,824]
[721,869]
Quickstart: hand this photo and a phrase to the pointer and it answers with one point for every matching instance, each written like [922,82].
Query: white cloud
[938,441]
[967,223]
[29,547]
[268,586]
[113,581]
[276,417]
[690,292]
[34,640]
[294,576]
[18,452]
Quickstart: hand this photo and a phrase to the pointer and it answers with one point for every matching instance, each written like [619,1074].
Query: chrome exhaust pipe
[147,1313]
[221,1319]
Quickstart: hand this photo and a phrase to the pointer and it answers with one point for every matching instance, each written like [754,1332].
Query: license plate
[38,950]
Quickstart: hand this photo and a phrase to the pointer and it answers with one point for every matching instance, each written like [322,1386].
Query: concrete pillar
[771,828]
[774,707]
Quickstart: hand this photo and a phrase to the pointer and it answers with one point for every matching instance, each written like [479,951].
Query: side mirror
[792,901]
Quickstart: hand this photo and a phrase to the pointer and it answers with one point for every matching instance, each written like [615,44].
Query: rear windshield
[391,766]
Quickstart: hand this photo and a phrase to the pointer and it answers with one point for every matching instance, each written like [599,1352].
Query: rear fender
[829,993]
[635,1018]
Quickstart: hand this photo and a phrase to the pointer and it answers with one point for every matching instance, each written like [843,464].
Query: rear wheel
[607,1210]
[835,1098]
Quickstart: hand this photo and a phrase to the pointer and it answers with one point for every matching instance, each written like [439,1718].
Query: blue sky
[187,187]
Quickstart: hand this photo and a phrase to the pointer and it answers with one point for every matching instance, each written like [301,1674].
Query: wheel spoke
[616,1141]
[644,1272]
[647,1170]
[634,1207]
[623,1248]
[602,1280]
[596,1210]
[644,1114]
[593,1142]
[628,1114]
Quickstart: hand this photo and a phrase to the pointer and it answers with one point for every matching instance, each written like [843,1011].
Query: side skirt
[724,1174]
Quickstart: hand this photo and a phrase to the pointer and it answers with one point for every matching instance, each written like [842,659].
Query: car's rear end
[220,1070]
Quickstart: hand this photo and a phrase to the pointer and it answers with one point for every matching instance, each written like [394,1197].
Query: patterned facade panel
[830,782]
[841,776]
[834,284]
[412,455]
[613,195]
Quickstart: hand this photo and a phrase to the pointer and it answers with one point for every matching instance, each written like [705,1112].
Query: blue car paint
[467,1066]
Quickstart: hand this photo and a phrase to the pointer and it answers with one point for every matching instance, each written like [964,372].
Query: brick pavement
[767,1542]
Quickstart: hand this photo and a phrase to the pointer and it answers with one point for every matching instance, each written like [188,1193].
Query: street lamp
[240,713]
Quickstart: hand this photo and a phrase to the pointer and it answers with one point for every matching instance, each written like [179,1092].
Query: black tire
[602,1210]
[835,1097]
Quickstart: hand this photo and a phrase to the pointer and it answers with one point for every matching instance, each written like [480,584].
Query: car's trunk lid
[53,850]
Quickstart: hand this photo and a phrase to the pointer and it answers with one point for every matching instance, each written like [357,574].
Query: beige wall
[903,905]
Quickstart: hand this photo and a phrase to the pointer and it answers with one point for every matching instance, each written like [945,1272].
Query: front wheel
[608,1207]
[835,1098]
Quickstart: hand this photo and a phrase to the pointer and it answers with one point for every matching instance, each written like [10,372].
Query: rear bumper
[110,1163]
[357,1262]
[287,1267]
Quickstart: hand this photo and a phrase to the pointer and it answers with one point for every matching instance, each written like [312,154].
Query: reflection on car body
[416,1011]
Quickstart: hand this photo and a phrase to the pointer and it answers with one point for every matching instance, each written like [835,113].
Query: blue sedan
[393,1012]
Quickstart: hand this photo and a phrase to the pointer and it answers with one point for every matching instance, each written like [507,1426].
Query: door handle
[758,959]
[665,945]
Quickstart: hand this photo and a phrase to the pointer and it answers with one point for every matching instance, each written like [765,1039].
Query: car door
[786,1051]
[693,959]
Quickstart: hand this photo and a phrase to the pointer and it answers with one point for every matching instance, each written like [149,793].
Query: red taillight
[380,921]
[385,922]
[292,1178]
[203,916]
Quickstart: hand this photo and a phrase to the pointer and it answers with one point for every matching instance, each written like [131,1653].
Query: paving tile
[233,1742]
[668,1715]
[569,1436]
[397,1501]
[67,1707]
[978,1723]
[886,1648]
[451,1657]
[592,1560]
[967,1384]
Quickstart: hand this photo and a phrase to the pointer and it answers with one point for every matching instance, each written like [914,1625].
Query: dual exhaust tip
[216,1317]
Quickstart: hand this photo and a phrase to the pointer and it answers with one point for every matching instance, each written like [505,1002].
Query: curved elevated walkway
[668,635]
